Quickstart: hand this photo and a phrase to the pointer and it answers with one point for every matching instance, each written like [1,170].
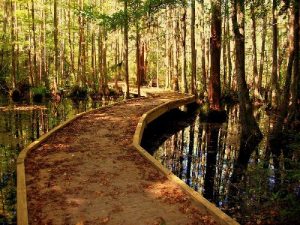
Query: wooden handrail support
[202,202]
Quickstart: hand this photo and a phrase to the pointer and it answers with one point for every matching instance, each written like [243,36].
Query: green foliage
[137,10]
[153,6]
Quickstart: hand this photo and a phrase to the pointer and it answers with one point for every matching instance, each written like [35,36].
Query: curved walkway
[89,172]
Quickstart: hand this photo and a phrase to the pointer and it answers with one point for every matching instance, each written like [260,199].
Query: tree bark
[295,87]
[228,38]
[37,80]
[250,132]
[184,63]
[294,108]
[214,90]
[193,48]
[254,51]
[224,56]
[175,52]
[13,44]
[56,62]
[138,60]
[274,76]
[126,52]
[203,50]
[263,46]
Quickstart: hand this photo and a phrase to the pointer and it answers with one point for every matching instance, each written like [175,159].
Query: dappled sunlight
[167,192]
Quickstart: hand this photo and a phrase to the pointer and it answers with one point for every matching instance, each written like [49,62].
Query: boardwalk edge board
[202,202]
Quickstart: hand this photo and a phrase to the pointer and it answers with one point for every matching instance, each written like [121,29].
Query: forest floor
[89,173]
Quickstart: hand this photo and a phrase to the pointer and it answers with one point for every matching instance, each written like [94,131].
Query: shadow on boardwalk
[89,173]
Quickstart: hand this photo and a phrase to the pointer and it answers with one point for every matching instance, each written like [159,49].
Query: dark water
[203,155]
[19,126]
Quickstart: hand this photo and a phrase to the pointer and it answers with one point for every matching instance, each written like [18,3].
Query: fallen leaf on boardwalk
[104,220]
[117,209]
[158,221]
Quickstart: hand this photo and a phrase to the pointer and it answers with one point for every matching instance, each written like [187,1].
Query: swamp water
[19,126]
[203,155]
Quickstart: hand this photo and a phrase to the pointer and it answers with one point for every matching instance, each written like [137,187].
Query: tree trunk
[184,64]
[126,53]
[3,54]
[104,56]
[193,48]
[250,132]
[13,44]
[100,63]
[71,44]
[254,51]
[168,49]
[202,38]
[43,60]
[30,64]
[37,80]
[263,45]
[224,57]
[294,108]
[274,76]
[214,90]
[94,60]
[228,39]
[138,60]
[296,69]
[175,84]
[56,62]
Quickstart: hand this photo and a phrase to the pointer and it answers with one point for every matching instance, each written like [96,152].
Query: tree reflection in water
[207,157]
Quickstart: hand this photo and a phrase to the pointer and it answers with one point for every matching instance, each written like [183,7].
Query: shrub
[79,92]
[38,93]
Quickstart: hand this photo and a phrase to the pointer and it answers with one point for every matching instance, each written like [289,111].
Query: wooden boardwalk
[89,172]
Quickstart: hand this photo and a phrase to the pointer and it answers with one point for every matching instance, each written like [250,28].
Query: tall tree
[193,47]
[13,43]
[228,45]
[254,50]
[138,58]
[56,59]
[274,75]
[175,52]
[37,80]
[263,45]
[126,52]
[184,61]
[294,109]
[203,51]
[215,51]
[250,132]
